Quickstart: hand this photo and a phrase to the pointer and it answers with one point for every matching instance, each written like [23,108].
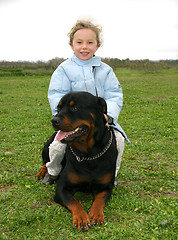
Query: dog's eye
[58,109]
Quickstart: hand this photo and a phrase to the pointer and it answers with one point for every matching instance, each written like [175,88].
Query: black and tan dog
[90,159]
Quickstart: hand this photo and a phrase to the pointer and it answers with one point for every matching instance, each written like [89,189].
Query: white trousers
[57,151]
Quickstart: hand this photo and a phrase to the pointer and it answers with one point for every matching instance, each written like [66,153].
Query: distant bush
[146,65]
[20,68]
[11,72]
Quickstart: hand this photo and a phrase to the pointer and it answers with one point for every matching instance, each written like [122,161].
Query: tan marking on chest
[105,179]
[74,178]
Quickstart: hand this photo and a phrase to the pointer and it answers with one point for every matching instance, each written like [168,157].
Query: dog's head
[80,118]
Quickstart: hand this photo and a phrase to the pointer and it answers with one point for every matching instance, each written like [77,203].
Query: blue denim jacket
[92,76]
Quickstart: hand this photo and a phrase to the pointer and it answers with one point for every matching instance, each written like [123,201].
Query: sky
[37,30]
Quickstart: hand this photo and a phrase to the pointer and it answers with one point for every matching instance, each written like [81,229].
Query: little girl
[85,72]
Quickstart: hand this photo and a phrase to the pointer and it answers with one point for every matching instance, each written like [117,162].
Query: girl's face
[84,43]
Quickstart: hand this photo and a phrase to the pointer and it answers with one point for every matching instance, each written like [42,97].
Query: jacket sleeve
[113,95]
[58,87]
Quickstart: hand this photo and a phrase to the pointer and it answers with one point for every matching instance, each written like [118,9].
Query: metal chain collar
[79,159]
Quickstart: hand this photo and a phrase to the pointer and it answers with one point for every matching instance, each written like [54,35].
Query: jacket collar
[94,61]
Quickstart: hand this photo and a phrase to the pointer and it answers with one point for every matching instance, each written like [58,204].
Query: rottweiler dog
[90,161]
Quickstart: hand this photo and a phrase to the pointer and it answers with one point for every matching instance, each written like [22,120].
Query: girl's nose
[84,46]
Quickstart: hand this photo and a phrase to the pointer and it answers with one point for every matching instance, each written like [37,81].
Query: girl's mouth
[84,53]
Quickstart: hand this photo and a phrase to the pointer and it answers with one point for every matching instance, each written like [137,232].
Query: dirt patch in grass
[124,183]
[4,188]
[171,195]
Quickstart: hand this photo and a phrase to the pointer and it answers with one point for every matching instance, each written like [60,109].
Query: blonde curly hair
[85,23]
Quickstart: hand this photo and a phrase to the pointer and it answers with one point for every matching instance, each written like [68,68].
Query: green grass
[143,206]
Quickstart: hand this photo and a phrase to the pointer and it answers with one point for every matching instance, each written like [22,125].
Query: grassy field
[143,206]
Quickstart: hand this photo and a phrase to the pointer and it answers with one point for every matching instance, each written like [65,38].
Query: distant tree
[55,62]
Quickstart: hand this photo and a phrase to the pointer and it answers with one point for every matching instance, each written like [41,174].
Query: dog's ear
[102,105]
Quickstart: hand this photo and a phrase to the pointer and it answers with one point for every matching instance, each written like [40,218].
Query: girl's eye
[90,42]
[79,42]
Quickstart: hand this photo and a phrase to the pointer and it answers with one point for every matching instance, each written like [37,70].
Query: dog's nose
[55,121]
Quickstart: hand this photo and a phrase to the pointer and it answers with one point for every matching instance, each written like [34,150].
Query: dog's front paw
[42,172]
[96,216]
[81,221]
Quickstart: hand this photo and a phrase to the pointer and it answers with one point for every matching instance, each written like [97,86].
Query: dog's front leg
[81,219]
[96,213]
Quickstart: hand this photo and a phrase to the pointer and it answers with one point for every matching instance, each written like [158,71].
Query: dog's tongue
[61,135]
